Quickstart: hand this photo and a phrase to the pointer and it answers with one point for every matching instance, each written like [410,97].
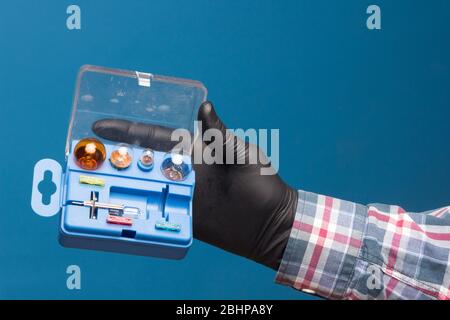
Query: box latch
[144,79]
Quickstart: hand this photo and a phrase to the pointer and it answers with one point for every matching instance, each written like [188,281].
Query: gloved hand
[235,207]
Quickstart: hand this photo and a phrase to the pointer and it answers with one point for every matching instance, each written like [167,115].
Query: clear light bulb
[174,167]
[122,157]
[146,159]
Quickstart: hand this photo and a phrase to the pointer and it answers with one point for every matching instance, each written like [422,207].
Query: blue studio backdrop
[363,115]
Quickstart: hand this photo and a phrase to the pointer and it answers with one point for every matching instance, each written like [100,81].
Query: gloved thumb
[232,146]
[209,119]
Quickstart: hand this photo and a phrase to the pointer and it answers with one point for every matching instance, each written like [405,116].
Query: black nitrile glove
[235,207]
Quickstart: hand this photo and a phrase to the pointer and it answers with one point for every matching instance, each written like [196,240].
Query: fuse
[168,226]
[92,181]
[89,153]
[119,220]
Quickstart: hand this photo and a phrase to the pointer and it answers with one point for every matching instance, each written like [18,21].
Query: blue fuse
[168,226]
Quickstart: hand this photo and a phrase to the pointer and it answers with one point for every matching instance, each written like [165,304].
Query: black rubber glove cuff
[275,236]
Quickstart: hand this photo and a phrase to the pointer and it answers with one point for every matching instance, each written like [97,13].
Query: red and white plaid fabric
[343,250]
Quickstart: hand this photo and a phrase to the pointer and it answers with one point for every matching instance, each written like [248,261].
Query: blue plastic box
[162,225]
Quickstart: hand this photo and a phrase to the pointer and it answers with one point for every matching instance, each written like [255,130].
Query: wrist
[275,236]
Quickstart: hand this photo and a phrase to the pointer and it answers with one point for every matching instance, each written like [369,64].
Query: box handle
[46,195]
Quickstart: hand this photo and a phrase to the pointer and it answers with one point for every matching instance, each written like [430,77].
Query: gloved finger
[208,117]
[234,150]
[141,134]
[151,136]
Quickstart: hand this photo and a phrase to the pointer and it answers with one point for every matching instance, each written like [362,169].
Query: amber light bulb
[121,157]
[89,153]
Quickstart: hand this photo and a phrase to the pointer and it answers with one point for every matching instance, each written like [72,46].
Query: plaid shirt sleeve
[343,250]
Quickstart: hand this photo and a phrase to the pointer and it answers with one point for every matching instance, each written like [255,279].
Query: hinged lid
[135,96]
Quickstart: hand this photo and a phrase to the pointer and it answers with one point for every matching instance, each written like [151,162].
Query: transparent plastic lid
[103,93]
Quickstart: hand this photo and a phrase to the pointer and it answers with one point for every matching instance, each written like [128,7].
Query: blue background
[363,116]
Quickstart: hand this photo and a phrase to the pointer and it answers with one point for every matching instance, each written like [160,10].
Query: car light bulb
[89,153]
[174,167]
[121,158]
[146,159]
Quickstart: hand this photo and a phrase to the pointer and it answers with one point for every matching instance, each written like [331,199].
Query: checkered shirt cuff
[324,244]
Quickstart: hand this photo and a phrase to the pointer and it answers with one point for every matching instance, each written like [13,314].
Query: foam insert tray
[158,200]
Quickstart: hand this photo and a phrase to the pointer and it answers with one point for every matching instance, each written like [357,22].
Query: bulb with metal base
[122,157]
[146,159]
[89,153]
[174,167]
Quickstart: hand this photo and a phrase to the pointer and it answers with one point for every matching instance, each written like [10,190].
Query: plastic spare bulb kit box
[160,223]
